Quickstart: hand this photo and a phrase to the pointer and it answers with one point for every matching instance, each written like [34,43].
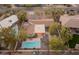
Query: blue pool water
[34,44]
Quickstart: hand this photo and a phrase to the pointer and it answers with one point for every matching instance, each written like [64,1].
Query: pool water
[31,44]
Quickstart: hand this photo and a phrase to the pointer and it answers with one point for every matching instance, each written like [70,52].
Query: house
[71,22]
[35,19]
[10,21]
[37,22]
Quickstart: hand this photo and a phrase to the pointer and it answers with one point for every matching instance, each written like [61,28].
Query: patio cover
[39,28]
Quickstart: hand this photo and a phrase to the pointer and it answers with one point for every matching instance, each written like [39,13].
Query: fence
[38,52]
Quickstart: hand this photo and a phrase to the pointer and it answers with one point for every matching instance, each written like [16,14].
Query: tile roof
[74,23]
[70,21]
[46,22]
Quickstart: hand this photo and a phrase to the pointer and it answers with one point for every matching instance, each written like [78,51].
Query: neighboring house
[10,21]
[71,22]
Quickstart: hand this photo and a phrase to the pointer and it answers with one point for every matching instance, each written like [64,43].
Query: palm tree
[55,13]
[22,15]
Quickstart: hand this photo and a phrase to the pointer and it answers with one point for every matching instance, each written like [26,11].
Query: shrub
[74,41]
[56,43]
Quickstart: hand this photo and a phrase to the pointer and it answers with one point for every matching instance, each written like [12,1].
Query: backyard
[40,30]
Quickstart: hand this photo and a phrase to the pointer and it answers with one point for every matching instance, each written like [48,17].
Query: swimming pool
[34,43]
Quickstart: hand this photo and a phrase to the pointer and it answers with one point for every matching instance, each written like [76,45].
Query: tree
[22,15]
[54,28]
[61,32]
[56,44]
[7,38]
[66,34]
[31,5]
[55,13]
[22,34]
[7,5]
